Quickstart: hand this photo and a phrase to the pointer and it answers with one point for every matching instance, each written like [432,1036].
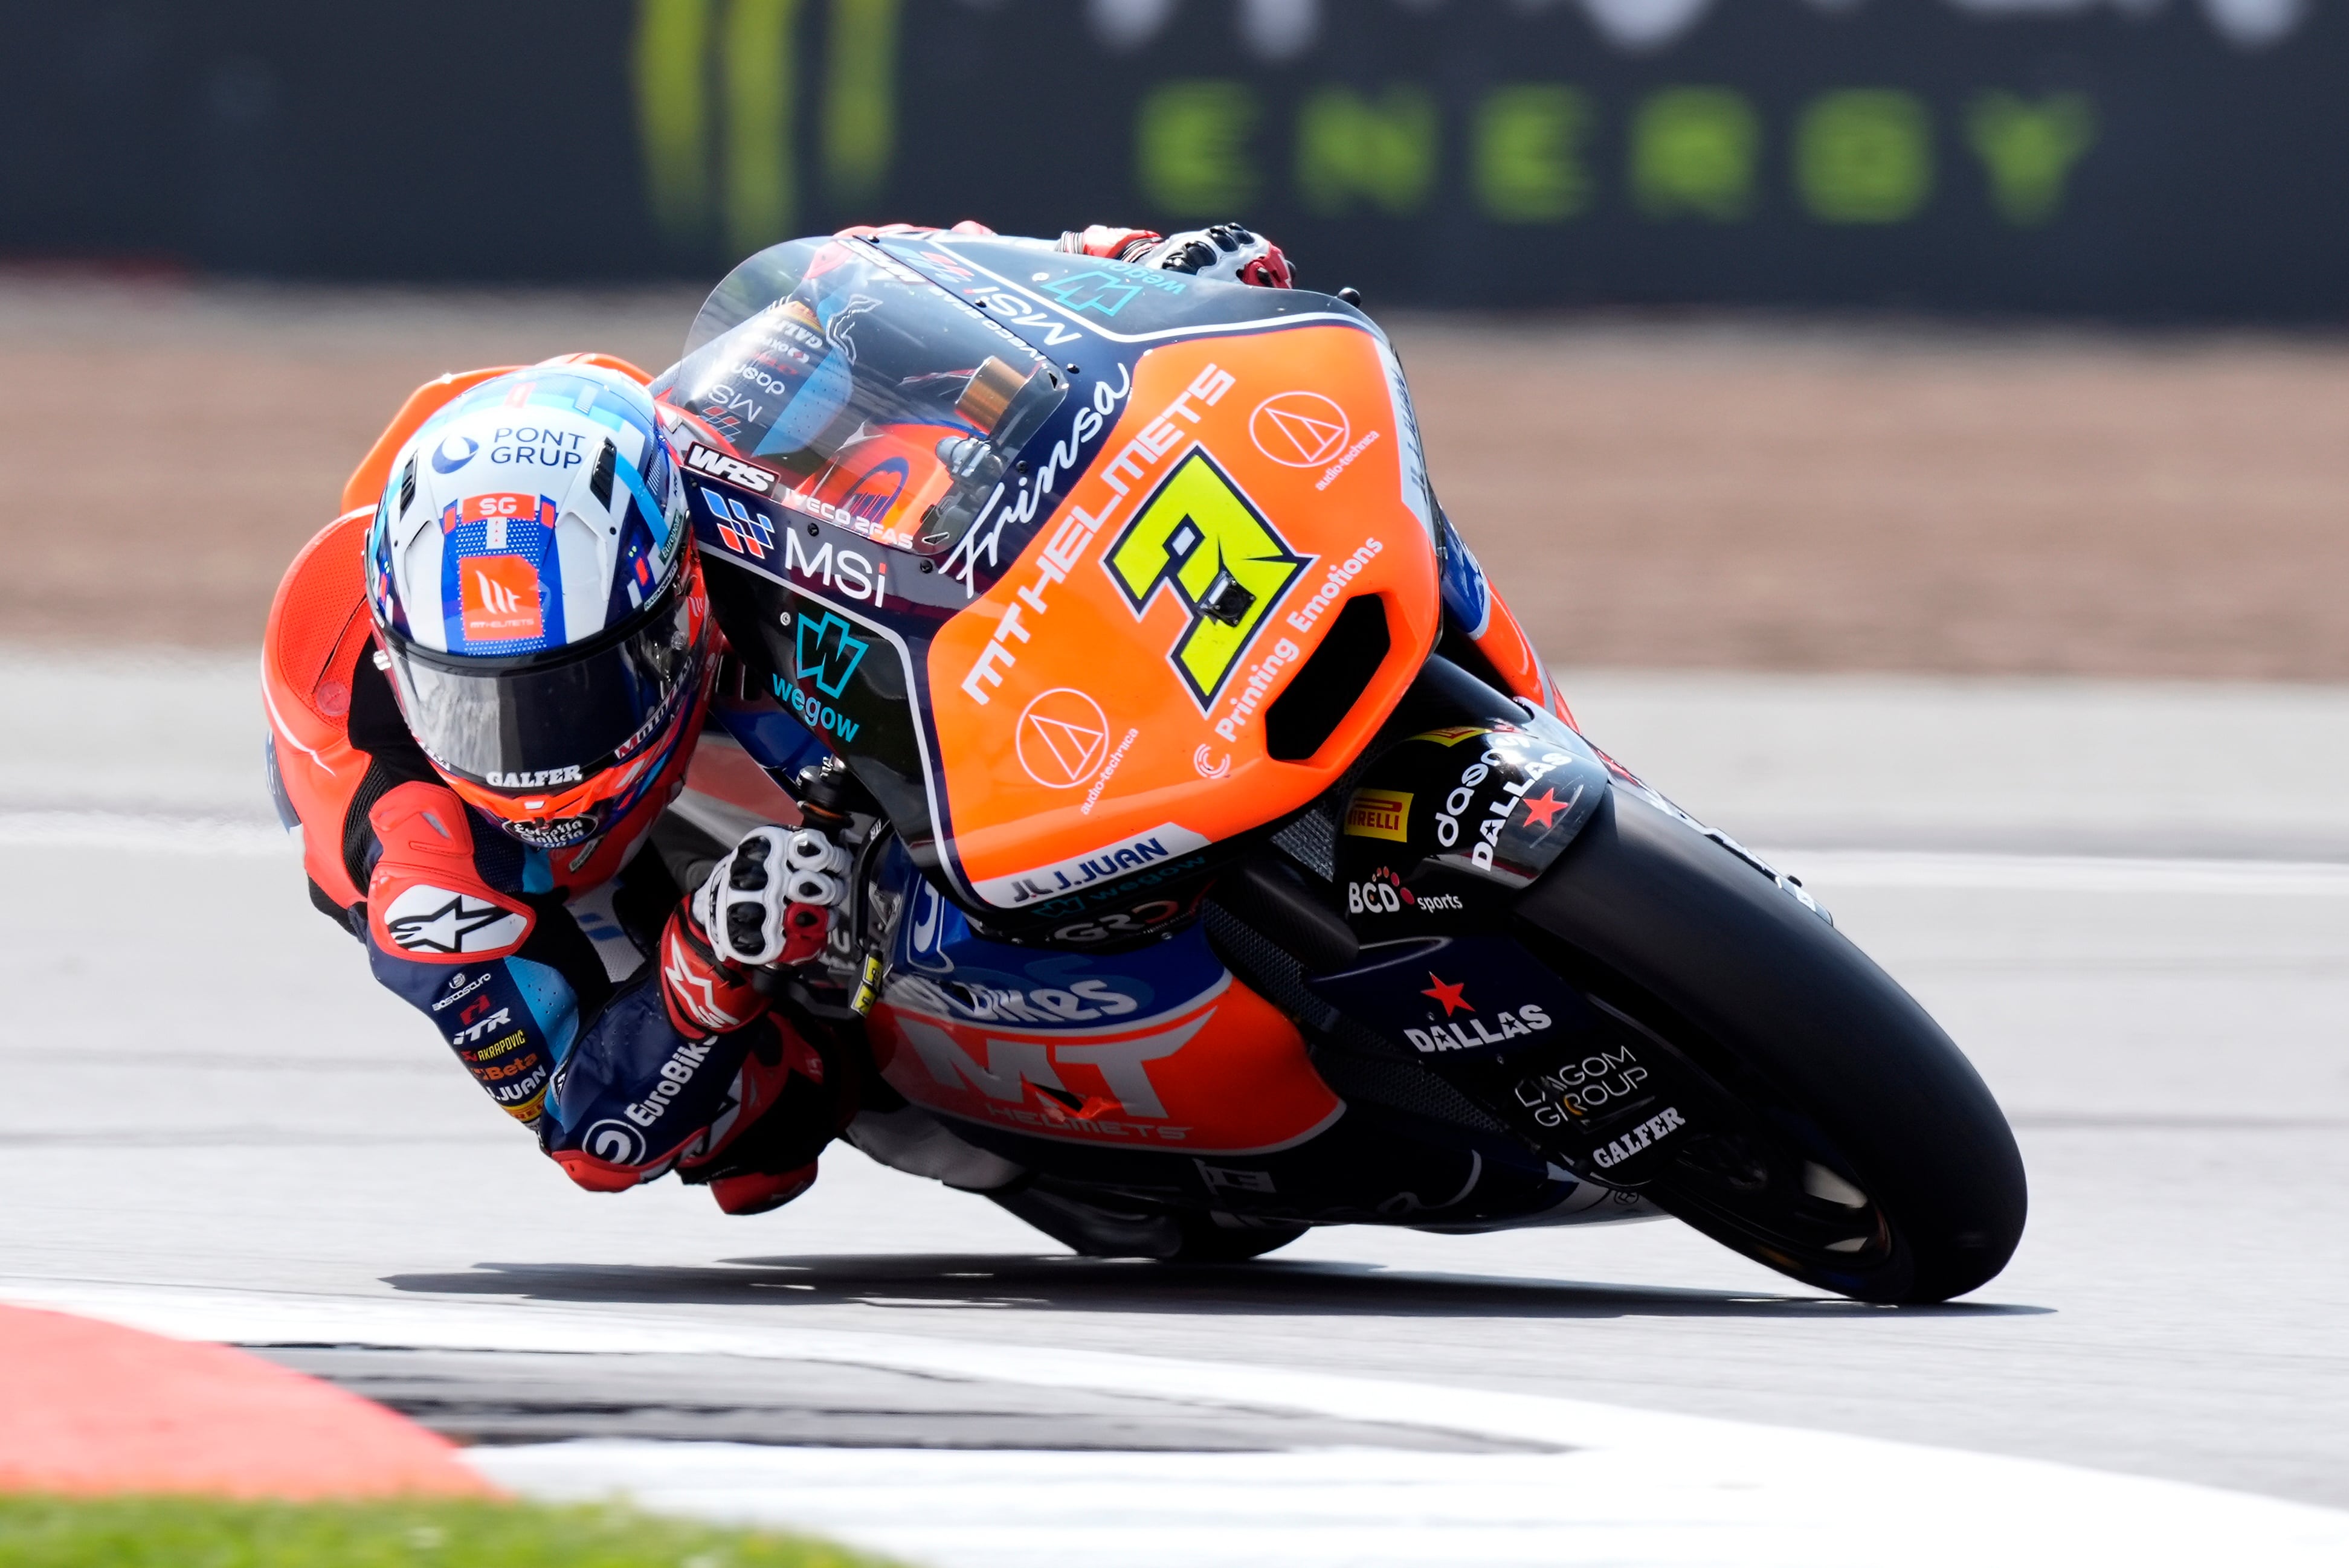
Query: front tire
[1876,1163]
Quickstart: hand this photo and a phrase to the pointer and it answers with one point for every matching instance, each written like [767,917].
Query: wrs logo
[1199,538]
[500,600]
[828,652]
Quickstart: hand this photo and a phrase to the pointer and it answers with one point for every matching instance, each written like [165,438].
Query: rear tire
[1857,1092]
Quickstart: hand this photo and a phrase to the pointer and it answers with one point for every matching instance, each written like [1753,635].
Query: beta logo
[1526,1018]
[1203,542]
[499,594]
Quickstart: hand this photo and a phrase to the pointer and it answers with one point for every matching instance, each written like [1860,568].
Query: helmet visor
[553,721]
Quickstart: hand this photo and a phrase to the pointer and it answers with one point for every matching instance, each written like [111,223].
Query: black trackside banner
[2141,159]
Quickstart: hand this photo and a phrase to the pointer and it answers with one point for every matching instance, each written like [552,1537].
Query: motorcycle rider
[478,729]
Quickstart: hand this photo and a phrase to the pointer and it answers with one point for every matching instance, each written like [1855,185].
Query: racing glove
[768,903]
[1226,252]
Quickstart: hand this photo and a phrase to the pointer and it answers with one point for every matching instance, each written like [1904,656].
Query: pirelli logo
[1379,814]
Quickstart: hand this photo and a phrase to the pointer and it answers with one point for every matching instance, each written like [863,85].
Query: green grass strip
[43,1532]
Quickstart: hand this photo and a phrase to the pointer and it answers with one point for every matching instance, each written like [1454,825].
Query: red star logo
[1449,994]
[1543,809]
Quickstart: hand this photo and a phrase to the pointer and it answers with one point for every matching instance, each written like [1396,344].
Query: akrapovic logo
[718,465]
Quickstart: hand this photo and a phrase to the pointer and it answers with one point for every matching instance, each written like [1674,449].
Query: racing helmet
[537,603]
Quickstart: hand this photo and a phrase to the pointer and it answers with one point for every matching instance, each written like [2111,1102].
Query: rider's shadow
[1266,1288]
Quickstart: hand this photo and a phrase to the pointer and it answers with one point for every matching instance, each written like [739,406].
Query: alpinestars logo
[458,925]
[691,989]
[828,652]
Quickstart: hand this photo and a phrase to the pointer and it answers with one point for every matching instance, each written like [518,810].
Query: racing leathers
[623,998]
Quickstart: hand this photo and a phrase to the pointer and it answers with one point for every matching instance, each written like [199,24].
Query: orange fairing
[1225,1074]
[1515,658]
[1233,514]
[364,489]
[317,626]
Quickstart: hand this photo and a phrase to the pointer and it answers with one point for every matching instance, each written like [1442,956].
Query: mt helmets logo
[1062,737]
[500,595]
[1299,429]
[828,652]
[1198,537]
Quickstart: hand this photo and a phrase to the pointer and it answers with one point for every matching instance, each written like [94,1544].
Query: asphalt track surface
[2130,904]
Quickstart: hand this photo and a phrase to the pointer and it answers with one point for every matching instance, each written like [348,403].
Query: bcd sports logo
[1199,538]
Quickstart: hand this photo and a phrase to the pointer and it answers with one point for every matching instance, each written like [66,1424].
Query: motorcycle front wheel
[1869,1157]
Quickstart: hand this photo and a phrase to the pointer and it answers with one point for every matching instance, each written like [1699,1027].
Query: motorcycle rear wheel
[1875,1162]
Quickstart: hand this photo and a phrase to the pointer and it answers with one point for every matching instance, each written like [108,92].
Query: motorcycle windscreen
[826,369]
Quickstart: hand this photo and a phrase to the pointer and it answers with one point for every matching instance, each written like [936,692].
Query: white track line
[143,833]
[1638,1486]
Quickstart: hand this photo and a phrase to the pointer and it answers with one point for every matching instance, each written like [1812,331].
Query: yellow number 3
[1199,536]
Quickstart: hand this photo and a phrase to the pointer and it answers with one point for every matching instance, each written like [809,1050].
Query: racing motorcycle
[1227,862]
